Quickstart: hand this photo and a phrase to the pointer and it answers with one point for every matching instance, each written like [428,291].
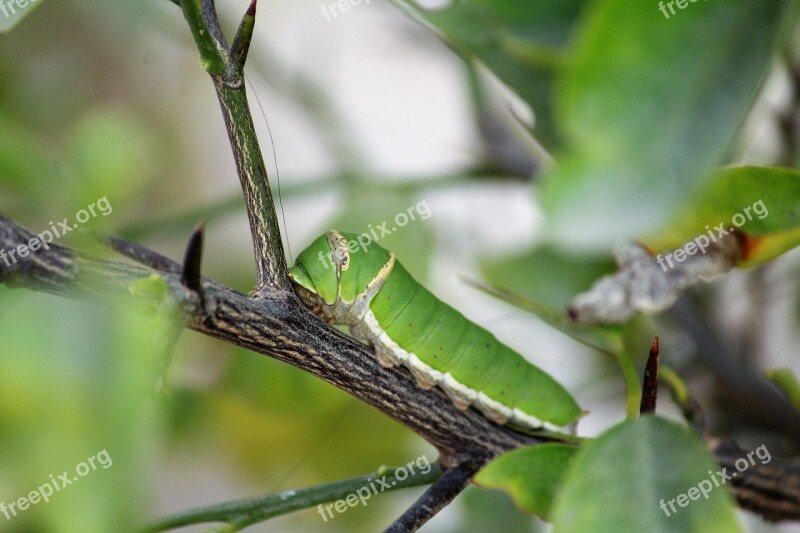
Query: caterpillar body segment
[366,289]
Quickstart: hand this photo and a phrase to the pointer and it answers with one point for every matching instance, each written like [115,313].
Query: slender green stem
[632,383]
[242,513]
[212,53]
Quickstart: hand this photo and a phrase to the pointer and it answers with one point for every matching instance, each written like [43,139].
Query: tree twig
[436,498]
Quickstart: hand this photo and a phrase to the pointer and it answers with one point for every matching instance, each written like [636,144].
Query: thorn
[241,43]
[650,381]
[190,276]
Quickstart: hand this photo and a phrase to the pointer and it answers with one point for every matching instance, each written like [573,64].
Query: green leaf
[649,106]
[531,475]
[764,202]
[618,482]
[13,11]
[547,275]
[521,42]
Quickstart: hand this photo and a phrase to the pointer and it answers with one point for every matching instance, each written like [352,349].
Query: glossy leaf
[531,475]
[618,482]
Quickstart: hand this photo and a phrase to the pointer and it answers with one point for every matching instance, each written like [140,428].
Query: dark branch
[770,489]
[279,327]
[436,498]
[137,252]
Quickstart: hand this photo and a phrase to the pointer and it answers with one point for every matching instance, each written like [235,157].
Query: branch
[436,498]
[771,490]
[284,329]
[280,327]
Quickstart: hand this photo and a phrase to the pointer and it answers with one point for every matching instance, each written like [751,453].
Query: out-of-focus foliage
[77,380]
[763,202]
[522,43]
[649,105]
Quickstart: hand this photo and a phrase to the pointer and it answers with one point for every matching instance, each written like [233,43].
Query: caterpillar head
[337,266]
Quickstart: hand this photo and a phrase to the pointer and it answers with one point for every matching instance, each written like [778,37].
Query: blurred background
[362,116]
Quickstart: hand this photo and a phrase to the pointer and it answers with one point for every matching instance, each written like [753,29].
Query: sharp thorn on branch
[650,381]
[191,274]
[241,43]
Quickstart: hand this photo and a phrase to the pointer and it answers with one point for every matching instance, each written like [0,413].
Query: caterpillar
[366,289]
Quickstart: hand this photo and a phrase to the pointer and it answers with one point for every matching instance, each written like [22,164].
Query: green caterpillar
[366,289]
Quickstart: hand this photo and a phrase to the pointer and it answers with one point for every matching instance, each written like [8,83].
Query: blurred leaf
[531,475]
[110,154]
[764,202]
[73,383]
[521,42]
[787,382]
[27,168]
[13,11]
[649,106]
[607,339]
[547,275]
[618,482]
[257,403]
